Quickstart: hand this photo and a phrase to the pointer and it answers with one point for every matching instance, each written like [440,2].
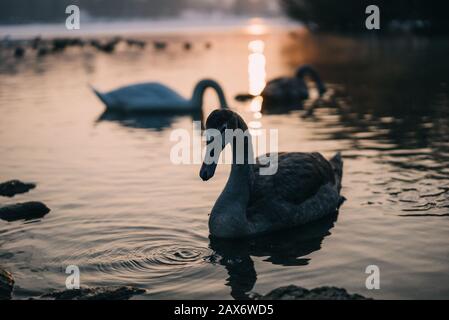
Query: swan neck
[200,88]
[228,218]
[311,72]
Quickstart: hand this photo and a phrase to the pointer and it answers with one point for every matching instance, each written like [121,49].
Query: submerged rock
[25,210]
[13,187]
[100,293]
[298,293]
[6,284]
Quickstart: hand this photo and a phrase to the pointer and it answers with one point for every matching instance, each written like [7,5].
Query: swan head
[218,122]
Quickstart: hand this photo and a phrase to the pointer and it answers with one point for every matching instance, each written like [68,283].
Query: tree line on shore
[349,15]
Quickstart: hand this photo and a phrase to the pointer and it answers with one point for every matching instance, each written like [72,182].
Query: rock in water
[25,210]
[106,293]
[13,187]
[297,293]
[6,284]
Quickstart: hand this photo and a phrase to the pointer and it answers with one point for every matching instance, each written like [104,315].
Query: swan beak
[207,171]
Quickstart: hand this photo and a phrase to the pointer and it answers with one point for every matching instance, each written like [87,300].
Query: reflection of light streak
[256,67]
[255,107]
[256,79]
[256,104]
[256,27]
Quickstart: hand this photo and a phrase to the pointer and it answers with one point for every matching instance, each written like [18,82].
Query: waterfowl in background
[136,43]
[287,92]
[187,46]
[36,42]
[42,51]
[160,45]
[156,97]
[19,52]
[306,186]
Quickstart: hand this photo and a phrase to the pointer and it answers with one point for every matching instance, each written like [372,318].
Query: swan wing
[302,190]
[146,96]
[285,89]
[298,178]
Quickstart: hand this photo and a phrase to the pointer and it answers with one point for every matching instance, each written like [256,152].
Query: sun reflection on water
[256,67]
[256,26]
[257,81]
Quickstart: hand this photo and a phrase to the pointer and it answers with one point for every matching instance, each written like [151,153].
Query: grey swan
[306,186]
[287,92]
[156,97]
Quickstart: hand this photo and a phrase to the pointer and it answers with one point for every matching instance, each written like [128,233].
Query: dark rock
[100,293]
[6,284]
[13,187]
[297,293]
[25,210]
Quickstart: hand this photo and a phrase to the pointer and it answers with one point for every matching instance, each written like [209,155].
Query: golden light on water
[256,104]
[257,81]
[256,67]
[256,27]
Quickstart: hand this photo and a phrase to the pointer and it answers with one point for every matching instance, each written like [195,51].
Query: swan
[156,97]
[306,186]
[287,92]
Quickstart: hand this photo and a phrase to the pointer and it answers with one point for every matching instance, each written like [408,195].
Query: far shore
[144,27]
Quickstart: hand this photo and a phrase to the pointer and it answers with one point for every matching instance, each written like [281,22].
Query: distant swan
[287,92]
[156,97]
[306,187]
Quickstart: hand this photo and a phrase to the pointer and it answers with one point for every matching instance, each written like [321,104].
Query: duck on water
[306,186]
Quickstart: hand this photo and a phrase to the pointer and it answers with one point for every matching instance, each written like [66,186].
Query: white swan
[156,97]
[306,186]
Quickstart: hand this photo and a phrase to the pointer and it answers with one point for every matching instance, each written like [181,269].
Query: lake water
[123,213]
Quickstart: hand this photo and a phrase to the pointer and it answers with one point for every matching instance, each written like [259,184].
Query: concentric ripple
[138,255]
[163,258]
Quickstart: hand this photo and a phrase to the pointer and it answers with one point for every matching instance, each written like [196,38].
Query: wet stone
[298,293]
[26,210]
[100,293]
[6,284]
[13,187]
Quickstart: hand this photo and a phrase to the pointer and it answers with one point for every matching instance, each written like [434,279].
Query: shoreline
[250,25]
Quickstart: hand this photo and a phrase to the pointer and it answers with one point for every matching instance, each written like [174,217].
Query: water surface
[124,214]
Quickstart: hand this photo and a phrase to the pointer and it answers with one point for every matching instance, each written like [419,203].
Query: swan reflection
[289,248]
[155,122]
